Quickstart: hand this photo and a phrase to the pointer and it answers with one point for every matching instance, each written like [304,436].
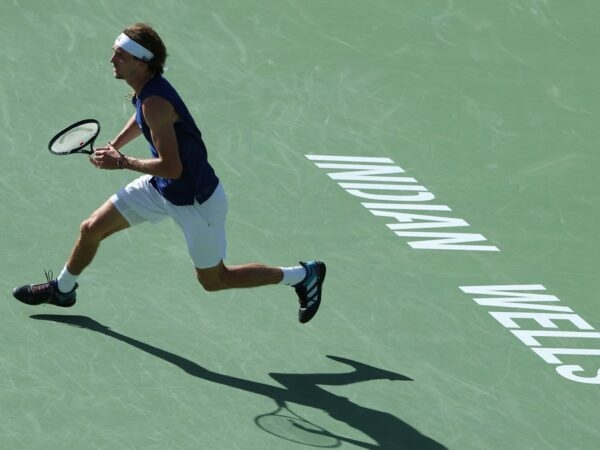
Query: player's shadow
[388,431]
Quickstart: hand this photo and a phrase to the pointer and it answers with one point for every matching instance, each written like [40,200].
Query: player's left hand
[106,157]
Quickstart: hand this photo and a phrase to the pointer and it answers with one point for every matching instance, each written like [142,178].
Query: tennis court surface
[441,158]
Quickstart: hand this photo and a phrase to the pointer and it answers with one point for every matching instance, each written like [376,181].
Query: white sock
[293,275]
[66,281]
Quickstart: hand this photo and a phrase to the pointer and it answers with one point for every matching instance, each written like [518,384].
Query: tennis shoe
[309,290]
[37,294]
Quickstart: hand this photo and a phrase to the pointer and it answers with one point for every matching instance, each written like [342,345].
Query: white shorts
[203,225]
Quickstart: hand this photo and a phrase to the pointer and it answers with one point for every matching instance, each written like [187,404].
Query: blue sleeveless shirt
[198,179]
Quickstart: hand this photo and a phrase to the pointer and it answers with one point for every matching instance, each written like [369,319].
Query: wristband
[121,160]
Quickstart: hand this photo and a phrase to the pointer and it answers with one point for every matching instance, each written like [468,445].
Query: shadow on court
[385,429]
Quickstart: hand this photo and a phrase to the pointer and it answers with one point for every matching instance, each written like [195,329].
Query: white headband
[132,47]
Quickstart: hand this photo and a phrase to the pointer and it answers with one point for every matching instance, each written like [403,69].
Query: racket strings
[74,138]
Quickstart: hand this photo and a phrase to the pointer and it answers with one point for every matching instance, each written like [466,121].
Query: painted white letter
[447,241]
[567,372]
[549,354]
[544,319]
[516,300]
[527,336]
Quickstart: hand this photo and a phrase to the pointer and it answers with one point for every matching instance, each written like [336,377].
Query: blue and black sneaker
[309,290]
[37,294]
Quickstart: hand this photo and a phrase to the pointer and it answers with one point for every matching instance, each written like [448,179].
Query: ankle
[293,275]
[66,281]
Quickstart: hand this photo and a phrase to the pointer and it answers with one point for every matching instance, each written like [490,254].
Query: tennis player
[177,182]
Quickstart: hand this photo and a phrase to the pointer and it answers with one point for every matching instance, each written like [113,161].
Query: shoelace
[44,287]
[49,275]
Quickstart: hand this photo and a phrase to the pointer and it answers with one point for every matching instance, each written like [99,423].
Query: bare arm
[160,117]
[129,132]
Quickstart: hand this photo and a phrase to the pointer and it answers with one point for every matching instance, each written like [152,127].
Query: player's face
[124,64]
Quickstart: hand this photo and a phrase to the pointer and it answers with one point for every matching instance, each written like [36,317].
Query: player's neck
[137,83]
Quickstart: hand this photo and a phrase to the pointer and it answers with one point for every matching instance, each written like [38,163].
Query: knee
[90,229]
[87,227]
[212,284]
[213,280]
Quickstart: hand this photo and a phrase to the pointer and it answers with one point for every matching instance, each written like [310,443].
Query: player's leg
[222,277]
[136,203]
[307,280]
[204,229]
[103,222]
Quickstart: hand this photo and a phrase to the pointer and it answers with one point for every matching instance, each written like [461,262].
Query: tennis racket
[75,138]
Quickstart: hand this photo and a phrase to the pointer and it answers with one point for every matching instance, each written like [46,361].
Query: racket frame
[81,148]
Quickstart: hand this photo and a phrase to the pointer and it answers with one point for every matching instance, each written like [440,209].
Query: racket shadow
[387,430]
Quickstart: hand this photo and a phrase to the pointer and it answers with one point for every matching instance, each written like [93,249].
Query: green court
[439,156]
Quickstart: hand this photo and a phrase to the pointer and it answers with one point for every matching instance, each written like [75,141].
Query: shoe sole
[66,304]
